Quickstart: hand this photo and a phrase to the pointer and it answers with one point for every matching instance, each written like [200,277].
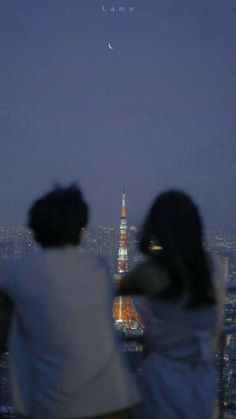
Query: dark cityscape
[109,94]
[103,241]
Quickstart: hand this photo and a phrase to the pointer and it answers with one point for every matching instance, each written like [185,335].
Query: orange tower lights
[124,311]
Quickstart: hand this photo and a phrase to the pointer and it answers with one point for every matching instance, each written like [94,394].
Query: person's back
[180,363]
[65,363]
[178,306]
[64,356]
[177,377]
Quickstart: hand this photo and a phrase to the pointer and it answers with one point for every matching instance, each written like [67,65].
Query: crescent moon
[109,46]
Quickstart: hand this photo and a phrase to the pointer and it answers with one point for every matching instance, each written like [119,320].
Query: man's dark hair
[57,218]
[174,226]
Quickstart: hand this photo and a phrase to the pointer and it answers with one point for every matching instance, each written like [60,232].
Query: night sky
[157,111]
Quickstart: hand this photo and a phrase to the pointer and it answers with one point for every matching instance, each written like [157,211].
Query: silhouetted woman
[178,378]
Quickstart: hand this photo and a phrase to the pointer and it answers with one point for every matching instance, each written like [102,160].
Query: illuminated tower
[123,252]
[124,311]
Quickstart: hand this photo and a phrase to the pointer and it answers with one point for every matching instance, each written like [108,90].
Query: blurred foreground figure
[179,310]
[65,360]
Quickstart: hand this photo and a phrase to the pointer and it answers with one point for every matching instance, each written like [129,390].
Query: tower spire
[124,310]
[123,207]
[123,251]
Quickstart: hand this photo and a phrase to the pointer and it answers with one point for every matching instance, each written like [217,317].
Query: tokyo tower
[124,311]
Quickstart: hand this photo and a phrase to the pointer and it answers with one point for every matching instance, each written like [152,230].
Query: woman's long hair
[173,238]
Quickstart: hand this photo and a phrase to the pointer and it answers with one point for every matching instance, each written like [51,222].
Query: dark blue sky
[157,111]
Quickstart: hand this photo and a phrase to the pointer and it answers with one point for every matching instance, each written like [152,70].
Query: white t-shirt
[65,359]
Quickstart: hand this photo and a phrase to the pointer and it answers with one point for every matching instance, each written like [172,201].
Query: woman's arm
[133,283]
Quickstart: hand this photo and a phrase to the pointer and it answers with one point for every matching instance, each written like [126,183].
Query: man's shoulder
[91,259]
[8,267]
